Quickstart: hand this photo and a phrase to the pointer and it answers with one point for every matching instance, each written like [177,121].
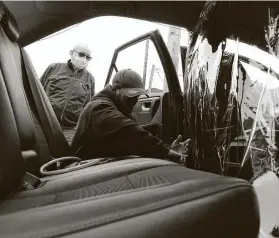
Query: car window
[143,58]
[103,35]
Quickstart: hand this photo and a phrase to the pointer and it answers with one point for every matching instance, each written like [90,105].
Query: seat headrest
[8,23]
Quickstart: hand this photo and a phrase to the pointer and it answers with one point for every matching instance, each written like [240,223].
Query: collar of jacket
[107,92]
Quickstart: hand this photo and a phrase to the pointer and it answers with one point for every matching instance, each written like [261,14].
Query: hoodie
[105,129]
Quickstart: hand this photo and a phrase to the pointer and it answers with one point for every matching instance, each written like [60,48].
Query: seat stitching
[127,177]
[96,169]
[49,193]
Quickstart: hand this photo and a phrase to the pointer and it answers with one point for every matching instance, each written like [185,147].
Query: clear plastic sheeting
[210,105]
[231,102]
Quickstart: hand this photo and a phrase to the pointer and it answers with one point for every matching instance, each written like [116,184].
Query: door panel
[149,56]
[146,109]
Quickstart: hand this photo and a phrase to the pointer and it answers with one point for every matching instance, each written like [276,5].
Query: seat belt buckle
[30,181]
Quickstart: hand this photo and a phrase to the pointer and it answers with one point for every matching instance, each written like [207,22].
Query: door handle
[145,106]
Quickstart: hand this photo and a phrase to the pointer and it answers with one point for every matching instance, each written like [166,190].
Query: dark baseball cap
[129,81]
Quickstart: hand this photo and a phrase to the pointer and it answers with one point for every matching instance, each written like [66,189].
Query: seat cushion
[162,201]
[92,175]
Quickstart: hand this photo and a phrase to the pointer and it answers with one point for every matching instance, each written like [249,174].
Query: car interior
[123,197]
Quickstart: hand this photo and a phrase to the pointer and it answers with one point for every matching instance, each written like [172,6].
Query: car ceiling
[37,19]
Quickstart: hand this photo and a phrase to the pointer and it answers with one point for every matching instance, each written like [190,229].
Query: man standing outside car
[69,87]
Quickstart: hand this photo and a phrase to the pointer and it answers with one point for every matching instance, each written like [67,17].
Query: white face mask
[79,62]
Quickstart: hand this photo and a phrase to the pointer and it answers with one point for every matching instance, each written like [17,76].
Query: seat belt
[30,182]
[57,142]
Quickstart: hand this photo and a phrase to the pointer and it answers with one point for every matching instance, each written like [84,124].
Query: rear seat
[129,198]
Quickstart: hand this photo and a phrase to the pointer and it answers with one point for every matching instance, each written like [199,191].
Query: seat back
[11,148]
[34,146]
[11,71]
[11,163]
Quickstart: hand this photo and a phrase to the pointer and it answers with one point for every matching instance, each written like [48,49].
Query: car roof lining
[38,19]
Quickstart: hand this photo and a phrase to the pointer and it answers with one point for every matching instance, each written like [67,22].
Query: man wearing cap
[107,128]
[69,87]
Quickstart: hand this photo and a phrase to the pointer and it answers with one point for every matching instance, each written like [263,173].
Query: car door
[160,110]
[183,54]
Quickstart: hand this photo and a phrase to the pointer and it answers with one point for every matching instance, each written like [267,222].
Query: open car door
[161,109]
[183,54]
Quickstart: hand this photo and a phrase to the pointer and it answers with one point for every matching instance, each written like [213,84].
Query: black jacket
[104,129]
[68,91]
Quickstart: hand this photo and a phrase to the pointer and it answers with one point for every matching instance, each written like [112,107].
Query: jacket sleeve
[108,122]
[44,77]
[152,128]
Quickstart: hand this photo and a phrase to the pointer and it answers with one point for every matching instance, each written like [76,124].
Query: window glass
[143,58]
[103,35]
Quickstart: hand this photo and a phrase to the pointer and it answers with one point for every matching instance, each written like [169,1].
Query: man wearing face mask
[69,87]
[107,128]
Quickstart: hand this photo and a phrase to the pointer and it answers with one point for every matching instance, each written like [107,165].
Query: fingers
[183,159]
[185,152]
[178,139]
[186,143]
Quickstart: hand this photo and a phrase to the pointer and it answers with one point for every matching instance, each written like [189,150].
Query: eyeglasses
[82,55]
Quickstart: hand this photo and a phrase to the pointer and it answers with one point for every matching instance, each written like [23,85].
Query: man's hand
[181,147]
[179,150]
[183,160]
